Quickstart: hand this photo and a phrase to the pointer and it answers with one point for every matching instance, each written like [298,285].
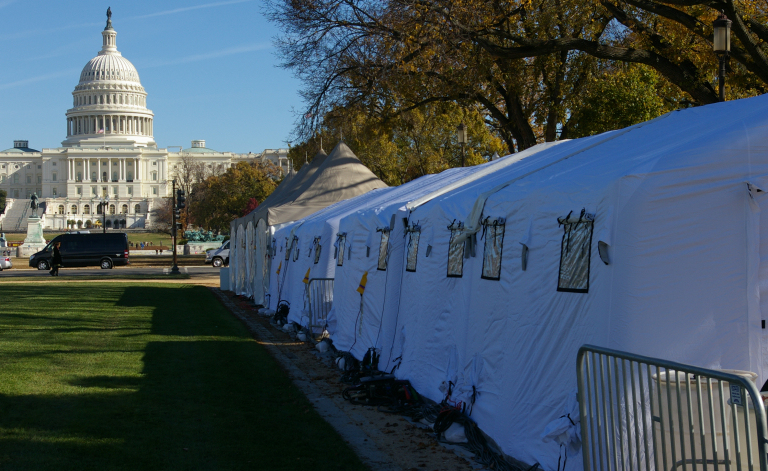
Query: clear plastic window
[318,250]
[413,247]
[295,247]
[575,252]
[493,232]
[455,252]
[342,240]
[384,249]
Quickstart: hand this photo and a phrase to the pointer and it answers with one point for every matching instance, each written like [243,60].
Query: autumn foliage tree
[532,67]
[218,199]
[411,144]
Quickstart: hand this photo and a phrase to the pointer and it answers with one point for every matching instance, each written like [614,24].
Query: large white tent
[320,233]
[648,239]
[321,183]
[357,322]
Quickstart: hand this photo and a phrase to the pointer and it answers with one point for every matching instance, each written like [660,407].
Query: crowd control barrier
[645,414]
[320,291]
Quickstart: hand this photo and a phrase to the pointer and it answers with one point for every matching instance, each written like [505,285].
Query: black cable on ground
[399,397]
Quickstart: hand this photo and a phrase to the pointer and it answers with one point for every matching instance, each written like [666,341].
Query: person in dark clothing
[56,259]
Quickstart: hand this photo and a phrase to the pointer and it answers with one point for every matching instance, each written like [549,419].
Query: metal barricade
[645,414]
[320,296]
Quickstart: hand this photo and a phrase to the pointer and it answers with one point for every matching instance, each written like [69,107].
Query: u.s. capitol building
[110,151]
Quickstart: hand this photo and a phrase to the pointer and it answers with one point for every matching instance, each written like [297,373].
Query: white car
[218,257]
[5,259]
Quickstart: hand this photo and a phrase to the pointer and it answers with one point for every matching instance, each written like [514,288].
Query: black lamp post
[461,134]
[104,202]
[722,47]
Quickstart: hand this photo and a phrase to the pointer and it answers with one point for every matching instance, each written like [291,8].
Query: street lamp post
[175,212]
[722,47]
[104,202]
[461,134]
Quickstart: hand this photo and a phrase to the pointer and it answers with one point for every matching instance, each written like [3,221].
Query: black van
[85,250]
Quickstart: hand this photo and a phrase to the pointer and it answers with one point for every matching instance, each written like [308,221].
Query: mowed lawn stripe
[146,376]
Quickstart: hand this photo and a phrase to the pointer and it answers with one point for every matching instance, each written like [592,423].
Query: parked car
[85,250]
[5,259]
[218,257]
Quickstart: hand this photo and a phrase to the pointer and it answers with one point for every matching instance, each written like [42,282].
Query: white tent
[313,245]
[324,181]
[648,239]
[320,233]
[362,322]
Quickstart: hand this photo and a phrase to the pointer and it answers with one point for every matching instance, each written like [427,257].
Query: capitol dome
[109,65]
[109,103]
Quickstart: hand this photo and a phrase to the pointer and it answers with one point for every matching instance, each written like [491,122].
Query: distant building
[110,150]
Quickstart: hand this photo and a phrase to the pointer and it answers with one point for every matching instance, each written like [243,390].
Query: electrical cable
[397,315]
[384,300]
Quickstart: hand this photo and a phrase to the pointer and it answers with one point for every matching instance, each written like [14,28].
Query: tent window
[455,251]
[575,252]
[493,231]
[341,240]
[318,248]
[295,248]
[383,248]
[413,247]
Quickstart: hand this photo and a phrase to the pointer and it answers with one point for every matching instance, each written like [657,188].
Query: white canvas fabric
[675,201]
[323,224]
[241,261]
[359,322]
[249,260]
[260,262]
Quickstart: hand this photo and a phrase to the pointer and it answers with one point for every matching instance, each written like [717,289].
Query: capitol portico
[110,150]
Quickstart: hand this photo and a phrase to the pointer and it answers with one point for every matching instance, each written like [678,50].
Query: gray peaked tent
[327,180]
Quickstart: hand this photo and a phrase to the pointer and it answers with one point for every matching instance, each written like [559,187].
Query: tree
[3,196]
[162,215]
[526,64]
[409,145]
[624,97]
[217,200]
[252,204]
[190,171]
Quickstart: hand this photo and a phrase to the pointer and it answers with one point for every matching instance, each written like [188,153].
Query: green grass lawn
[141,376]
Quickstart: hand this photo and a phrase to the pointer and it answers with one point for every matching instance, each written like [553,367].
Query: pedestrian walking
[56,259]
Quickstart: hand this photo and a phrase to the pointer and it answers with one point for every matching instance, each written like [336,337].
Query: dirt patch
[383,441]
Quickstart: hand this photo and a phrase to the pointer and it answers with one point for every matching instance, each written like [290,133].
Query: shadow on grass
[207,397]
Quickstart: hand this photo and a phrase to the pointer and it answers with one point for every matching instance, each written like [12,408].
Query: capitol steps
[16,215]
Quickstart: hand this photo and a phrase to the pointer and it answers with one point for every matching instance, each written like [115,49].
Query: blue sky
[208,66]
